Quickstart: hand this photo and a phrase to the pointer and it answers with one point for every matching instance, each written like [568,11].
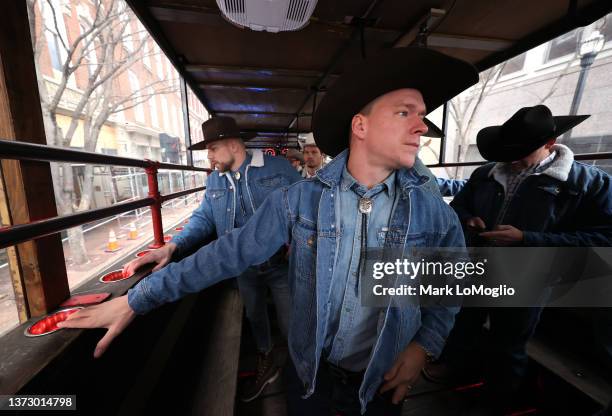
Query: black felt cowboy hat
[219,128]
[437,76]
[528,129]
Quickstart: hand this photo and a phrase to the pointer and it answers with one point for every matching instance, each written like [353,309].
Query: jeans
[334,395]
[253,285]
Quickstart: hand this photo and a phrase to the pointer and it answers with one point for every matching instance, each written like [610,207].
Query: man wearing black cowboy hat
[348,359]
[534,194]
[240,184]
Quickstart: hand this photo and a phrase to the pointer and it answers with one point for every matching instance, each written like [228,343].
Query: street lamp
[589,48]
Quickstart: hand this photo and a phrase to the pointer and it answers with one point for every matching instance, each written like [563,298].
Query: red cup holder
[114,276]
[167,238]
[84,299]
[48,324]
[178,229]
[142,253]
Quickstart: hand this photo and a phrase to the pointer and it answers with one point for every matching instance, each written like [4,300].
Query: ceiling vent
[269,15]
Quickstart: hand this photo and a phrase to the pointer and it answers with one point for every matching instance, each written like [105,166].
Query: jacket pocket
[274,181]
[304,242]
[395,237]
[216,194]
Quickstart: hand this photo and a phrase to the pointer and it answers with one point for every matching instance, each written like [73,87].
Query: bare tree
[105,49]
[464,110]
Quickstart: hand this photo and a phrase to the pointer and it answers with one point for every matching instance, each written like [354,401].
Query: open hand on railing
[161,256]
[114,315]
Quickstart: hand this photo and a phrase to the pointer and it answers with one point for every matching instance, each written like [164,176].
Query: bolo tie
[365,207]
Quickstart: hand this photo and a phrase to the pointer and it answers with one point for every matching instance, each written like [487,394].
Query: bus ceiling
[271,82]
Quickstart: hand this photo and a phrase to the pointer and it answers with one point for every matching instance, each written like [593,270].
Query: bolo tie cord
[365,207]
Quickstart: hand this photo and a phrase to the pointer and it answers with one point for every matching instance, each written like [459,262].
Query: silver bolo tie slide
[365,205]
[237,176]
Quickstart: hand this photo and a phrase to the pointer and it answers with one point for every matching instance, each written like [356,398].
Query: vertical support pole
[41,283]
[186,126]
[171,190]
[156,217]
[442,153]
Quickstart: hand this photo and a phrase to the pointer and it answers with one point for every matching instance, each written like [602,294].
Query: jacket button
[310,241]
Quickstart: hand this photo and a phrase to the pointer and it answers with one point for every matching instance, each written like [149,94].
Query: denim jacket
[217,211]
[303,214]
[568,204]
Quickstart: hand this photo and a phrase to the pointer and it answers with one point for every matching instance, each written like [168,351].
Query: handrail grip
[581,156]
[15,234]
[179,194]
[11,149]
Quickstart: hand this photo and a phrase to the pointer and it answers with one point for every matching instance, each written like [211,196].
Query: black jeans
[336,394]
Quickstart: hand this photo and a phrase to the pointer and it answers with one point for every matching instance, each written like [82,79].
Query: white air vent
[269,15]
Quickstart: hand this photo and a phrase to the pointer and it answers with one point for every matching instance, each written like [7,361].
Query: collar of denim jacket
[257,158]
[560,167]
[331,174]
[257,161]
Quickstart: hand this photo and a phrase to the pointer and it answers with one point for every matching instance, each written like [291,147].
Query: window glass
[111,105]
[496,98]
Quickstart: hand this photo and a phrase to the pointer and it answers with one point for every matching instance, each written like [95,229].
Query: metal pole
[585,63]
[442,153]
[186,126]
[156,218]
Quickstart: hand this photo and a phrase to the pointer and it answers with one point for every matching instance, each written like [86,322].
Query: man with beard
[240,184]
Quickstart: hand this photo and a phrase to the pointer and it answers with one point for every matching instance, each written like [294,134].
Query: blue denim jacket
[564,207]
[217,212]
[304,215]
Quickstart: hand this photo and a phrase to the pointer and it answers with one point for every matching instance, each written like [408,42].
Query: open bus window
[496,97]
[9,315]
[107,87]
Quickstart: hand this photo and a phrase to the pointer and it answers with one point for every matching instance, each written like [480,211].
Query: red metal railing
[26,151]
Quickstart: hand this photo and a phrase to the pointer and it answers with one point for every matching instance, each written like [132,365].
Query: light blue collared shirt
[352,328]
[244,210]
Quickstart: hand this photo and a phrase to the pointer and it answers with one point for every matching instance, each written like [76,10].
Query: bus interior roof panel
[235,99]
[261,78]
[256,121]
[311,48]
[274,74]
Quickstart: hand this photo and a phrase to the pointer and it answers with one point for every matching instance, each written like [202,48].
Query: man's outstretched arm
[226,257]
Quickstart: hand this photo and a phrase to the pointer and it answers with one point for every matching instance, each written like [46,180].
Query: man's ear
[359,125]
[234,145]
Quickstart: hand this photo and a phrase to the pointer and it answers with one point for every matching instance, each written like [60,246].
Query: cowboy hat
[528,129]
[219,128]
[437,76]
[295,154]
